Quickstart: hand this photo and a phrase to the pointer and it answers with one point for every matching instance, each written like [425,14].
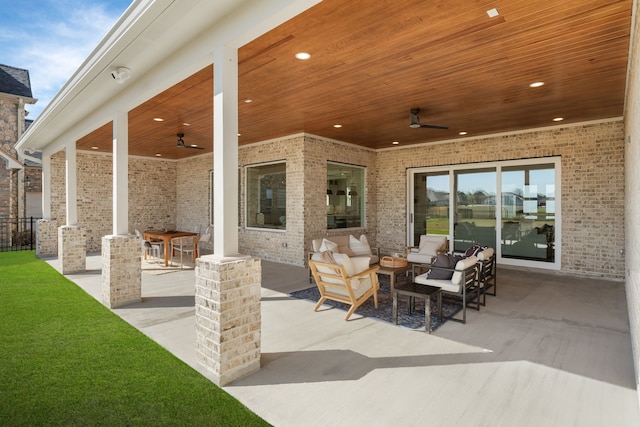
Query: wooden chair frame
[328,288]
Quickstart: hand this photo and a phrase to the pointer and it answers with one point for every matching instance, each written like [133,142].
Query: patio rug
[384,312]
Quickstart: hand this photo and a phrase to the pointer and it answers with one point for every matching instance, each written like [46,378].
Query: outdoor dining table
[166,237]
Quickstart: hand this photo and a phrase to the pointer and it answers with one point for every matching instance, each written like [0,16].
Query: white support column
[46,185]
[47,235]
[120,173]
[71,183]
[225,149]
[228,317]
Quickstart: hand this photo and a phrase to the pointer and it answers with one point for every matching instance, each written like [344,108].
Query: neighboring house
[19,177]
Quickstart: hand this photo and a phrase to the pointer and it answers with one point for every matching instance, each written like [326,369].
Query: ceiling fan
[182,144]
[414,121]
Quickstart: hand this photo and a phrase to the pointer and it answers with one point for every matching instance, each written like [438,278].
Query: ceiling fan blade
[434,126]
[181,143]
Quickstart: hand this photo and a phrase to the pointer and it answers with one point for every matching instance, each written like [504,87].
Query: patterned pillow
[474,250]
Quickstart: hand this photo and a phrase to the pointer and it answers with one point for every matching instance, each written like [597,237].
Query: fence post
[31,239]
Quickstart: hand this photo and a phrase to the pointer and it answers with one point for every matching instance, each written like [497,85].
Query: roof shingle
[15,81]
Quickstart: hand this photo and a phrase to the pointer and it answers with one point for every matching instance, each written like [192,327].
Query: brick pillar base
[228,317]
[72,249]
[46,238]
[121,271]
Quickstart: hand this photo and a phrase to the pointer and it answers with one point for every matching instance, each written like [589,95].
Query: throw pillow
[346,250]
[328,245]
[360,263]
[444,261]
[345,261]
[360,247]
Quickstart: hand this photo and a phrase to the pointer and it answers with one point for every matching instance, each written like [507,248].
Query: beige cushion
[346,250]
[429,248]
[419,258]
[361,246]
[446,285]
[360,263]
[345,261]
[432,239]
[486,254]
[462,265]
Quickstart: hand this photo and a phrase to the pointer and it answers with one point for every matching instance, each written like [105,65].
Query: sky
[51,39]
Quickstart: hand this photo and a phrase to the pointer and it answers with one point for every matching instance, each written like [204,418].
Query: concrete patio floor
[549,350]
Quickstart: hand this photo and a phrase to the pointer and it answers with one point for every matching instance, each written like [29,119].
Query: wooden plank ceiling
[373,61]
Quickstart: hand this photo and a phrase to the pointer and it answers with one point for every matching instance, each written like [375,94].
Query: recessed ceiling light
[396,142]
[158,119]
[558,119]
[239,134]
[303,56]
[186,124]
[94,148]
[158,155]
[536,84]
[462,133]
[248,101]
[493,13]
[337,126]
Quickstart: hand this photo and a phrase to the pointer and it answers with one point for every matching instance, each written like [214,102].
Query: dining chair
[184,245]
[148,247]
[206,241]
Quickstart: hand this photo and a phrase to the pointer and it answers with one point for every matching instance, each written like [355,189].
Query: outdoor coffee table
[416,290]
[392,272]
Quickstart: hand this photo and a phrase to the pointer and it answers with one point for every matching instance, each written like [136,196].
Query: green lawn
[65,359]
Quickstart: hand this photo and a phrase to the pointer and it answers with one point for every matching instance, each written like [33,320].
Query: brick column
[121,271]
[46,238]
[228,319]
[72,249]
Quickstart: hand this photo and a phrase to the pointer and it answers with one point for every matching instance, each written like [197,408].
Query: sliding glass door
[511,206]
[430,205]
[475,219]
[528,212]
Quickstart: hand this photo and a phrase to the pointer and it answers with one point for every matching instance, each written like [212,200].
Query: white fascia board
[10,161]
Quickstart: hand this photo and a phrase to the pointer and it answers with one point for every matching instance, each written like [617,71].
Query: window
[267,195]
[345,195]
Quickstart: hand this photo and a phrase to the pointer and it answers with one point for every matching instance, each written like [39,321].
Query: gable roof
[15,81]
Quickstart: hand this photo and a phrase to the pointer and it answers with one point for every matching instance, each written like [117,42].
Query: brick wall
[192,187]
[152,194]
[592,187]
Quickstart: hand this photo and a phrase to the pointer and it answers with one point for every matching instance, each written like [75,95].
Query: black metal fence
[17,234]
